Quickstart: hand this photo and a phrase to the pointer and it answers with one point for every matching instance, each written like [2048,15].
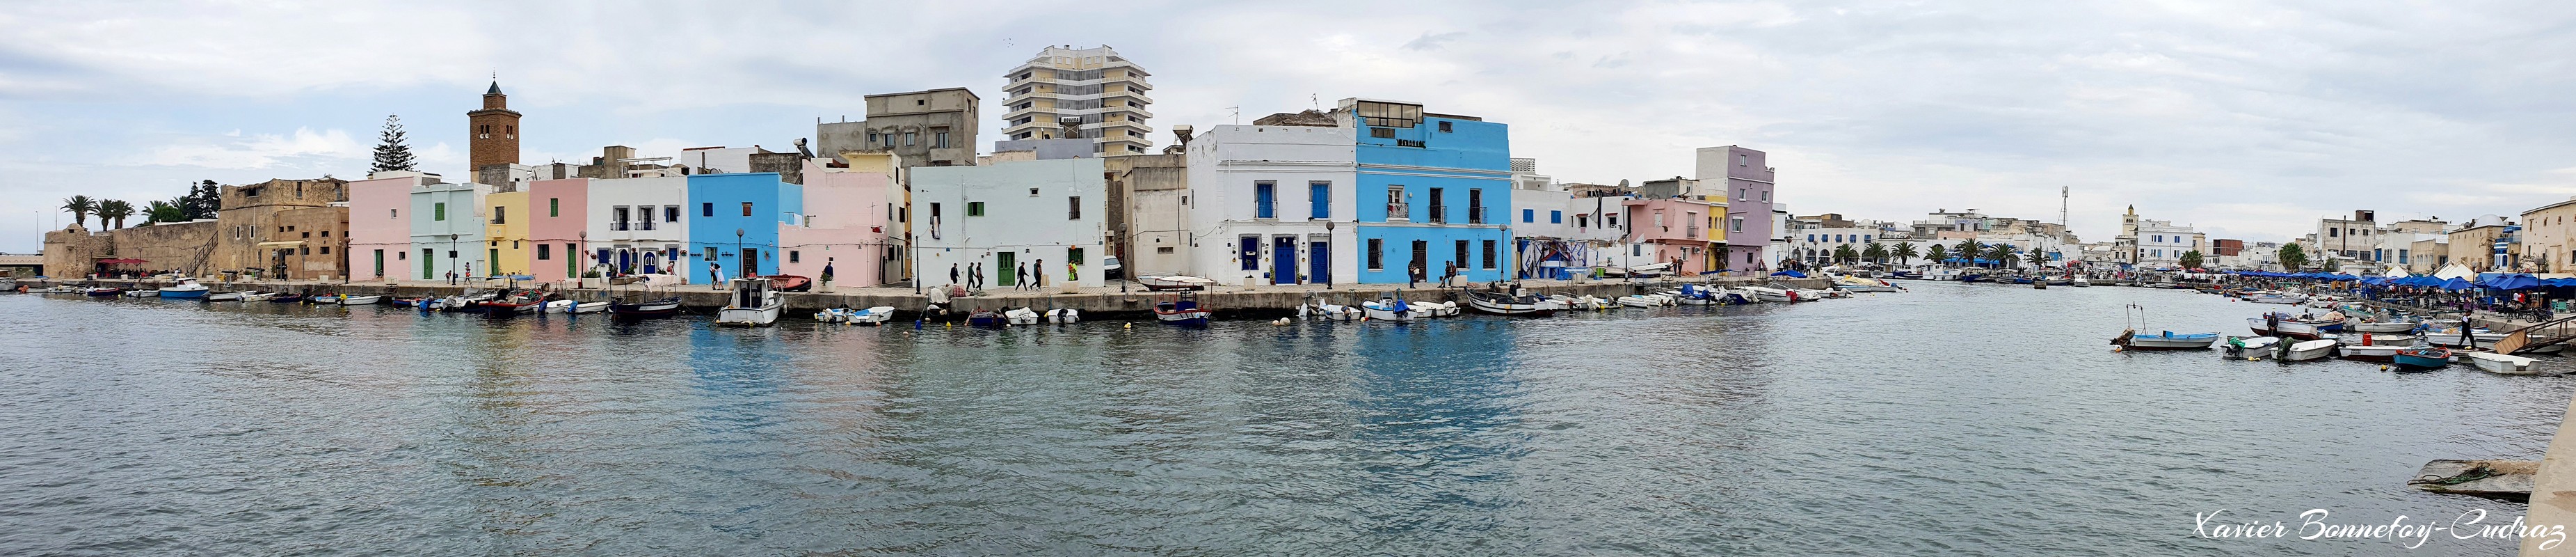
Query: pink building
[1685,232]
[558,225]
[850,214]
[379,232]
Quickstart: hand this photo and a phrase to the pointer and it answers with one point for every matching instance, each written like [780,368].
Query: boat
[2060,280]
[2249,347]
[2372,353]
[1387,309]
[789,283]
[258,296]
[663,307]
[1182,311]
[2503,364]
[559,306]
[1057,316]
[103,292]
[2309,350]
[286,298]
[2381,326]
[751,304]
[2377,339]
[323,299]
[2080,282]
[1903,274]
[407,302]
[1641,271]
[871,316]
[2129,338]
[1856,284]
[514,303]
[1692,295]
[1639,301]
[1584,302]
[142,293]
[1767,294]
[2422,358]
[1331,312]
[589,307]
[2283,327]
[985,318]
[226,297]
[1021,316]
[186,289]
[2479,338]
[2275,298]
[1174,282]
[8,285]
[1515,303]
[1436,308]
[367,300]
[836,315]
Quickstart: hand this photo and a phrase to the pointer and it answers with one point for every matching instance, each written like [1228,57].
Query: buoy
[1130,326]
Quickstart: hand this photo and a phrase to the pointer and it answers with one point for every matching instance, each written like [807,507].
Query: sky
[2248,119]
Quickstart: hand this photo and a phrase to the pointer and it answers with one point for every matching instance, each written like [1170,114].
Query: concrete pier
[1095,303]
[2553,490]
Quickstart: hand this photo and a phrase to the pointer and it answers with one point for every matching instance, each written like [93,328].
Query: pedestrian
[1412,273]
[1072,271]
[1022,273]
[952,273]
[715,275]
[827,274]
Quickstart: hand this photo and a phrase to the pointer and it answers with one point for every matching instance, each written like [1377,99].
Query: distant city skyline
[2245,121]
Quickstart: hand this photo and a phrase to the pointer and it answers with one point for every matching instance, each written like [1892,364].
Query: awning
[285,244]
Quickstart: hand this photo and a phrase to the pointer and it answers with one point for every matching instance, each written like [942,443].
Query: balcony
[617,226]
[1475,214]
[1439,214]
[1399,211]
[644,225]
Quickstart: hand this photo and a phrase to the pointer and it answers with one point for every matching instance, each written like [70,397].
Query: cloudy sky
[2247,118]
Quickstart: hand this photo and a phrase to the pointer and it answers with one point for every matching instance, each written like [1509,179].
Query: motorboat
[142,293]
[1515,303]
[1640,301]
[2503,364]
[323,299]
[1174,282]
[1642,271]
[186,289]
[1768,294]
[2167,340]
[1182,311]
[2080,282]
[2377,339]
[2422,358]
[286,299]
[1387,309]
[1021,316]
[2309,350]
[845,314]
[1691,295]
[257,296]
[2478,338]
[514,303]
[2372,353]
[1436,308]
[1057,316]
[559,306]
[751,304]
[1331,312]
[663,307]
[1903,274]
[2249,347]
[2382,326]
[365,300]
[1584,302]
[790,283]
[589,307]
[1856,284]
[2282,326]
[2275,298]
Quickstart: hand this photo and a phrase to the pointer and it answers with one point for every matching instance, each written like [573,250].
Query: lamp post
[737,253]
[1328,263]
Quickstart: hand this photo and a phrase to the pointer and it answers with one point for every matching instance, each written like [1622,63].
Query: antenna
[2061,205]
[1235,112]
[1315,99]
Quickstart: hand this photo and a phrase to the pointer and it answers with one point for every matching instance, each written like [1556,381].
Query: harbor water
[1954,419]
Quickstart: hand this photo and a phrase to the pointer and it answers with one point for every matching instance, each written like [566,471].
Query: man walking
[827,274]
[952,273]
[1022,273]
[1041,276]
[715,275]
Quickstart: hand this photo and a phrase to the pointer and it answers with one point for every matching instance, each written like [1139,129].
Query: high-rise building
[1090,93]
[495,135]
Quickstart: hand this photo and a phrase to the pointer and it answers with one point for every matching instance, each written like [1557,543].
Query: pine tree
[391,154]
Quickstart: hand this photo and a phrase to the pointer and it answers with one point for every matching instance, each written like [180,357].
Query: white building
[1556,229]
[1274,205]
[638,225]
[2160,244]
[1042,213]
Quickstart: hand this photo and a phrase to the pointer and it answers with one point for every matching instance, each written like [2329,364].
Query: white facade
[2160,244]
[1815,246]
[638,225]
[1587,228]
[719,159]
[1046,214]
[1229,167]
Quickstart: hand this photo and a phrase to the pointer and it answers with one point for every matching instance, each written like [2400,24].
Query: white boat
[1175,282]
[560,306]
[188,288]
[590,307]
[141,293]
[225,297]
[1640,301]
[1434,309]
[257,296]
[328,299]
[751,304]
[1331,312]
[1387,309]
[1021,316]
[835,315]
[2080,281]
[1651,270]
[2377,339]
[2310,350]
[2250,347]
[2381,327]
[870,316]
[2275,298]
[2451,338]
[1767,294]
[1584,302]
[367,300]
[1848,283]
[2503,364]
[2373,353]
[2282,327]
[1516,303]
[1058,316]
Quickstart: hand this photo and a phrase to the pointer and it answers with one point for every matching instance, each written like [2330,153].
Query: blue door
[1251,253]
[1319,261]
[1283,260]
[626,261]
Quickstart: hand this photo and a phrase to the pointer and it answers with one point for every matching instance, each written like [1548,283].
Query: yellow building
[2546,242]
[506,235]
[1099,92]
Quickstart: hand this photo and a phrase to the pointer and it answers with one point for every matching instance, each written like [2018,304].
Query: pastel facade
[734,221]
[1043,213]
[639,225]
[1683,232]
[446,232]
[558,227]
[380,230]
[1433,189]
[1753,223]
[505,234]
[850,222]
[1279,204]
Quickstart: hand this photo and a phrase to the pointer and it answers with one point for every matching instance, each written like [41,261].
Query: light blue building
[1434,189]
[447,230]
[734,220]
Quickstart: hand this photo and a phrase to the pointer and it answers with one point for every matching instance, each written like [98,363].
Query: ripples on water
[1955,419]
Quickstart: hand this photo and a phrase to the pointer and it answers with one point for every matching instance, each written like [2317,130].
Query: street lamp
[737,252]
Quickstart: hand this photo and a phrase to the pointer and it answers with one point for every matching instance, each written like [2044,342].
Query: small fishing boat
[1021,316]
[1766,294]
[142,293]
[2422,358]
[2309,350]
[1516,303]
[1387,309]
[226,297]
[2478,338]
[836,315]
[323,299]
[1907,275]
[2080,282]
[103,292]
[1434,309]
[559,306]
[589,307]
[1584,302]
[1850,283]
[985,318]
[662,307]
[2503,364]
[186,289]
[513,303]
[1639,301]
[286,298]
[1057,316]
[2377,339]
[1182,311]
[2372,353]
[2060,280]
[2136,316]
[844,314]
[2381,326]
[366,300]
[1174,282]
[2283,326]
[1640,271]
[258,296]
[1331,312]
[752,304]
[2249,347]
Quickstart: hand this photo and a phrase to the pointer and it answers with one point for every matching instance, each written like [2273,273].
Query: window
[306,235]
[746,208]
[1766,196]
[872,138]
[1743,159]
[1251,254]
[1462,254]
[1033,192]
[554,207]
[909,137]
[2333,232]
[1583,221]
[707,209]
[545,252]
[1395,208]
[974,208]
[1529,215]
[1320,195]
[1739,194]
[1376,253]
[1444,127]
[326,233]
[670,213]
[939,138]
[1163,250]
[618,222]
[1489,244]
[497,214]
[794,256]
[1384,133]
[1073,208]
[438,211]
[1439,209]
[1556,217]
[1264,196]
[326,250]
[393,213]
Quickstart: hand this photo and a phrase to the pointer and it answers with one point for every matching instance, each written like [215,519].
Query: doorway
[1006,268]
[750,262]
[1319,261]
[1283,260]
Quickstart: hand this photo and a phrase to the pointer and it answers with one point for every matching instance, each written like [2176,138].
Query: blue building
[734,220]
[1433,189]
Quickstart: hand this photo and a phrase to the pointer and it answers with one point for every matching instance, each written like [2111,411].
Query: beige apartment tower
[1089,93]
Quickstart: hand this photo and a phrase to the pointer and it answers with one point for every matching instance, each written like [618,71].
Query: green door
[428,266]
[1003,271]
[492,267]
[571,253]
[380,263]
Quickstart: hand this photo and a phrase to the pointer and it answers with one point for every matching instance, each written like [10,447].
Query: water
[1955,419]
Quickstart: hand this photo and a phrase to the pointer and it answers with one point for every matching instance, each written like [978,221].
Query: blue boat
[1184,312]
[2421,359]
[187,289]
[1972,277]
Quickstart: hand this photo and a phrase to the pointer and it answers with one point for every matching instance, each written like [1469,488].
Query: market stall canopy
[2458,284]
[2453,271]
[2394,272]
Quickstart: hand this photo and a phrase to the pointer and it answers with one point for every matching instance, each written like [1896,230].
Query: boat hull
[2310,350]
[2168,341]
[2379,327]
[184,293]
[2501,364]
[2422,359]
[748,317]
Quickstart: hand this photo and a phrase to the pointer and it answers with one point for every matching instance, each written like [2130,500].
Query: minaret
[493,132]
[2129,222]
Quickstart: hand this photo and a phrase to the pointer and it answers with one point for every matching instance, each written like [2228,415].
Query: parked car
[1111,269]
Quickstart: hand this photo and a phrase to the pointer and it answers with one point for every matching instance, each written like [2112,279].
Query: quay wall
[1094,303]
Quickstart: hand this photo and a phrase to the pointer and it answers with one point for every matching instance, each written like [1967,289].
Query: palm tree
[1937,253]
[115,210]
[1904,253]
[1969,250]
[2005,255]
[80,206]
[1874,253]
[164,211]
[1844,254]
